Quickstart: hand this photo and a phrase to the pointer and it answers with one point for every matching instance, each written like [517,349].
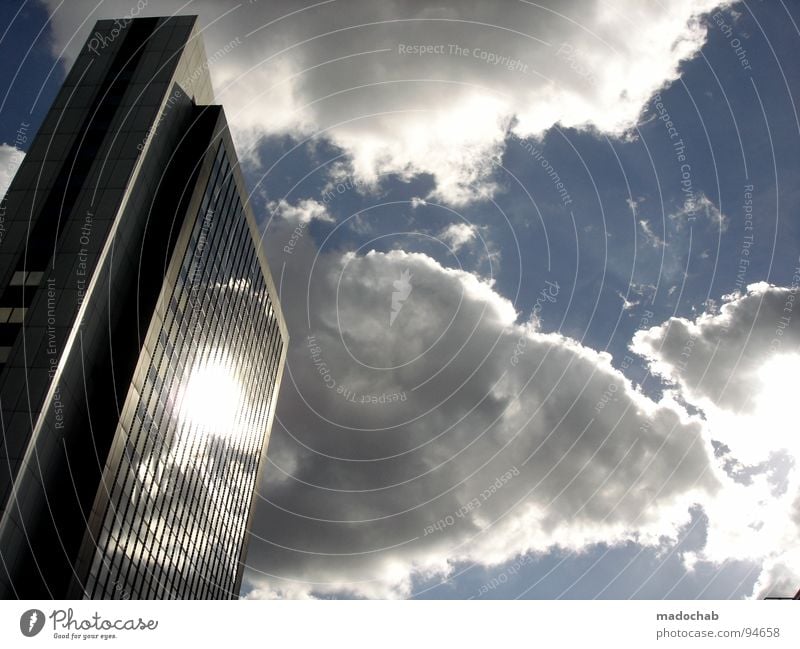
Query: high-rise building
[141,340]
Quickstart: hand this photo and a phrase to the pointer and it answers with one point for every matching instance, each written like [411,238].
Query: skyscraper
[141,340]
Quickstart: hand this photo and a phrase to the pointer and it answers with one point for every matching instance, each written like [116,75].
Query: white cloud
[699,205]
[718,359]
[367,484]
[339,71]
[304,211]
[740,367]
[627,304]
[10,160]
[457,235]
[650,237]
[367,496]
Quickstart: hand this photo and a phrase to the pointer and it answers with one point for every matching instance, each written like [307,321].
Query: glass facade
[141,341]
[178,505]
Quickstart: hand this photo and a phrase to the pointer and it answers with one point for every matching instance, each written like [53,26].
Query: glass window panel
[34,278]
[17,315]
[18,278]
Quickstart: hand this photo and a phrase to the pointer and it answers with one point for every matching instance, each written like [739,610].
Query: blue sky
[627,252]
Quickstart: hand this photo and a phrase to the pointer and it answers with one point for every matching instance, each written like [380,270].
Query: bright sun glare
[212,399]
[778,377]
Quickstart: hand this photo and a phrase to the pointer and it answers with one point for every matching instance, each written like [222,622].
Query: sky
[539,263]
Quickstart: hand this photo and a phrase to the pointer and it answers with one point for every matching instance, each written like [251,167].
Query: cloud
[463,435]
[718,360]
[10,160]
[651,238]
[740,367]
[457,235]
[700,205]
[627,304]
[458,434]
[304,211]
[412,88]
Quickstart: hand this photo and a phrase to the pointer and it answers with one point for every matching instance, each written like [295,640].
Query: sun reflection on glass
[212,398]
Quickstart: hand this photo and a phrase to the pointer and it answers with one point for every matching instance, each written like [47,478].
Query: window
[34,278]
[18,278]
[18,315]
[21,278]
[5,314]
